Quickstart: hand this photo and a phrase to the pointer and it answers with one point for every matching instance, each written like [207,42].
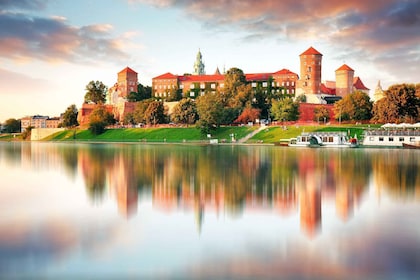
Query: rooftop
[311,51]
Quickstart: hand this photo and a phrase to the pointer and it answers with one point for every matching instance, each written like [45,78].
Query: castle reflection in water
[231,179]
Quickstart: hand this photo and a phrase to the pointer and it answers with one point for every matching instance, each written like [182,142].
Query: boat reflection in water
[189,212]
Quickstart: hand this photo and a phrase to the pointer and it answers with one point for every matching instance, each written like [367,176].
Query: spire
[199,65]
[217,71]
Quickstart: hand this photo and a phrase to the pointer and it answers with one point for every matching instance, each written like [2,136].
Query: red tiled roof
[166,76]
[284,72]
[311,51]
[128,70]
[327,90]
[202,78]
[358,84]
[258,76]
[344,67]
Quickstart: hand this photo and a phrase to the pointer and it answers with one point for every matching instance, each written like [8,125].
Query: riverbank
[227,134]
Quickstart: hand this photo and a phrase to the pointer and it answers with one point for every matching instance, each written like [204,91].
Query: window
[192,94]
[287,83]
[222,85]
[202,85]
[309,69]
[293,83]
[391,139]
[401,139]
[254,84]
[191,86]
[264,84]
[381,139]
[181,86]
[213,86]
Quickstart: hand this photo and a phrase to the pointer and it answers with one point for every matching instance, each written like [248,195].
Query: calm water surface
[208,212]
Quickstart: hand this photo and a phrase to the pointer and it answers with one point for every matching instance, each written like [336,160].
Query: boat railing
[402,132]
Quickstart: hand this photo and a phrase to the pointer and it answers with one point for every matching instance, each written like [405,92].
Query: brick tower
[344,80]
[310,72]
[127,82]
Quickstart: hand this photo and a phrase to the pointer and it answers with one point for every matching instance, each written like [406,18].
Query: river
[83,211]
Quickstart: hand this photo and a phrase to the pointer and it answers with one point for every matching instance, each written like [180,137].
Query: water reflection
[83,209]
[228,179]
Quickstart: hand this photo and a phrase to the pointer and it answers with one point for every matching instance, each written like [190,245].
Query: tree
[210,110]
[249,114]
[321,113]
[285,109]
[95,92]
[403,100]
[70,117]
[129,119]
[355,106]
[155,113]
[12,126]
[234,78]
[140,109]
[99,119]
[143,92]
[185,112]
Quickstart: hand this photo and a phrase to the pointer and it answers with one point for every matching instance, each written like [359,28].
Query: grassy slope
[151,134]
[275,133]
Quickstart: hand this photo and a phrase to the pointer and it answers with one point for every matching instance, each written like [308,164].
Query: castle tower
[379,93]
[127,82]
[344,80]
[310,72]
[199,65]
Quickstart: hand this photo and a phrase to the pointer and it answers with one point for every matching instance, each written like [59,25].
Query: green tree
[140,109]
[95,92]
[129,119]
[185,112]
[321,114]
[234,79]
[210,110]
[155,113]
[143,92]
[70,117]
[403,100]
[285,109]
[99,119]
[12,126]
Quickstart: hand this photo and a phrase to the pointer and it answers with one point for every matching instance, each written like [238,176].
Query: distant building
[38,121]
[379,93]
[199,65]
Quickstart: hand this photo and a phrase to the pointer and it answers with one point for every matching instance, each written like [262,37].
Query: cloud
[12,83]
[53,39]
[22,4]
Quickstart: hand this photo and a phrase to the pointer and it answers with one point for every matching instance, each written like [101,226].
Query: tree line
[240,103]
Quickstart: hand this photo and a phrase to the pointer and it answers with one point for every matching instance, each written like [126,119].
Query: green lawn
[190,134]
[275,133]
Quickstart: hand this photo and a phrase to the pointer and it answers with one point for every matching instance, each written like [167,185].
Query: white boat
[323,139]
[391,137]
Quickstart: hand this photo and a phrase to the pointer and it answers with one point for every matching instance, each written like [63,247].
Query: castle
[284,81]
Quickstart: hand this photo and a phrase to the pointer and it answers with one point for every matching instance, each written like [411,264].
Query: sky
[50,50]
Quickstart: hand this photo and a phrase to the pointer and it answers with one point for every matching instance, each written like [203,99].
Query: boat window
[391,139]
[330,139]
[411,139]
[371,138]
[381,139]
[401,139]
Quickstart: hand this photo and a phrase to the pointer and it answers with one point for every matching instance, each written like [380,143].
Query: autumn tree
[155,113]
[402,103]
[321,113]
[210,110]
[355,107]
[140,109]
[70,117]
[285,109]
[12,126]
[249,114]
[95,92]
[185,112]
[99,119]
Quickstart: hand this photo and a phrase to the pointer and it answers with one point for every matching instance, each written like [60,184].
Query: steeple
[199,65]
[217,71]
[379,93]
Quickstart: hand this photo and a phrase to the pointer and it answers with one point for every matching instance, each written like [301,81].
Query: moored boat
[323,139]
[391,138]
